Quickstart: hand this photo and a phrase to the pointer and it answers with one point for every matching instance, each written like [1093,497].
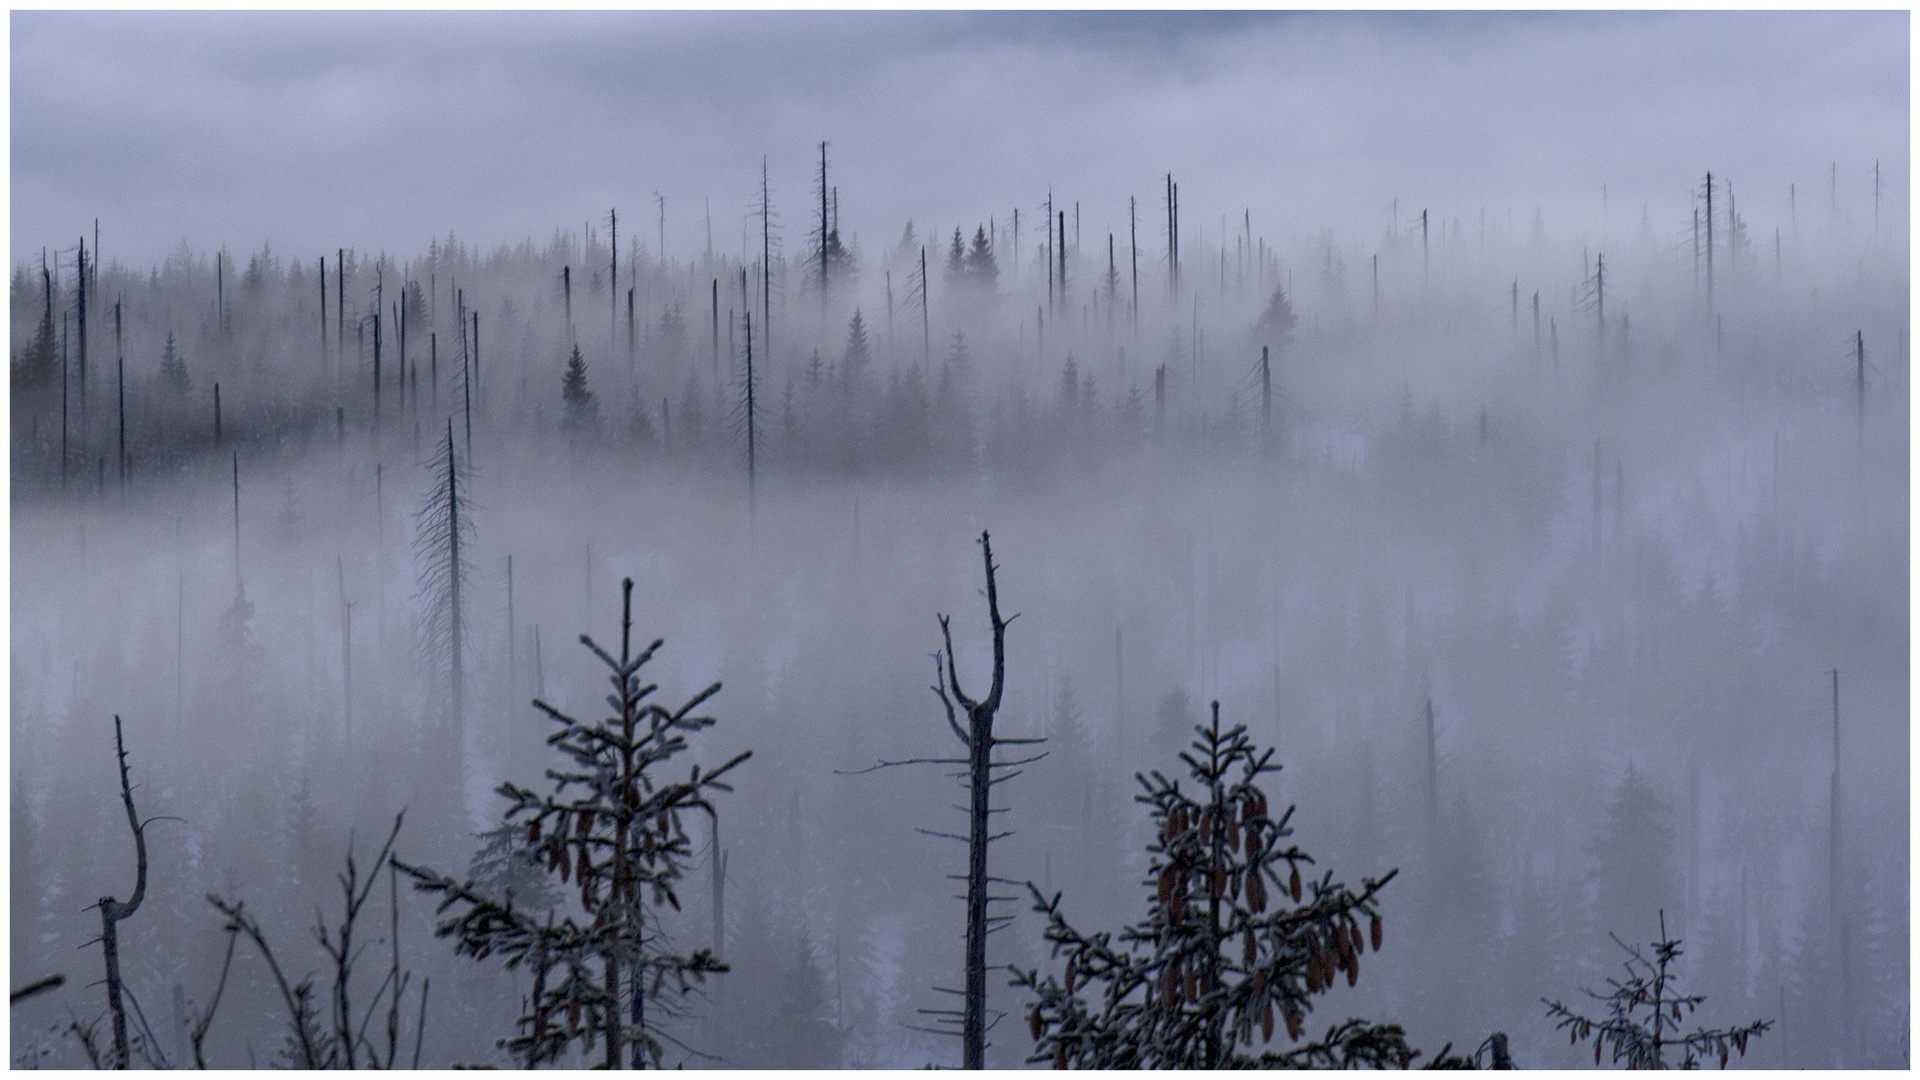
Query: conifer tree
[957,261]
[582,411]
[174,377]
[37,366]
[853,362]
[1235,942]
[1645,1012]
[1275,325]
[983,272]
[612,828]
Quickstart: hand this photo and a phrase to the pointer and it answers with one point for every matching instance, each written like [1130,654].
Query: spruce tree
[1275,325]
[1644,1014]
[957,261]
[982,271]
[175,380]
[37,367]
[1235,944]
[612,828]
[853,362]
[582,411]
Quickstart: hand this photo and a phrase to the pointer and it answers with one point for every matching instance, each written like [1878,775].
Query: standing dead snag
[442,527]
[612,828]
[979,740]
[113,912]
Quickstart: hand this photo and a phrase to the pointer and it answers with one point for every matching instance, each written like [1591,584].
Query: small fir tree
[1645,1012]
[853,362]
[982,271]
[611,828]
[175,381]
[37,367]
[582,411]
[1275,325]
[957,261]
[1235,945]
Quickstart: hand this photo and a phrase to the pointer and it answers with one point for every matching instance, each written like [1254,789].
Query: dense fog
[1532,539]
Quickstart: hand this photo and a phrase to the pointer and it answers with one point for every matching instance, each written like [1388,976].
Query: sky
[311,131]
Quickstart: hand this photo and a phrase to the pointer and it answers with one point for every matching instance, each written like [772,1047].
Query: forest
[609,651]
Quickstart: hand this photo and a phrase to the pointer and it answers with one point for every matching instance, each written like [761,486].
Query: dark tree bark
[114,912]
[979,741]
[120,379]
[80,320]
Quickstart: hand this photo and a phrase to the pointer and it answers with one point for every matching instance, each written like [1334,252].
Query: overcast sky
[379,130]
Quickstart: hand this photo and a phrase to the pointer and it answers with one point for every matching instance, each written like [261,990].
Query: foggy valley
[1554,538]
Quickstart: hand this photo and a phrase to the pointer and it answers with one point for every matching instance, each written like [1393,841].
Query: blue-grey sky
[380,130]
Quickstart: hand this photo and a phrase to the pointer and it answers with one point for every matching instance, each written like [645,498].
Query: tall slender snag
[120,380]
[236,523]
[346,653]
[752,441]
[80,324]
[1133,244]
[114,912]
[978,739]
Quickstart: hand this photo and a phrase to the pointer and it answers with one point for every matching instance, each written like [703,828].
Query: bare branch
[909,761]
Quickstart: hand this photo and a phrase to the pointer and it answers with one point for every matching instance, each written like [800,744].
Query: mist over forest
[1555,540]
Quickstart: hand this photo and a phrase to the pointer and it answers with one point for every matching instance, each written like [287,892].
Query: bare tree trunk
[1266,391]
[80,321]
[750,417]
[980,743]
[453,595]
[113,912]
[346,652]
[120,379]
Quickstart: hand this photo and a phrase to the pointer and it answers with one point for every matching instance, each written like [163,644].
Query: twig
[420,1025]
[33,988]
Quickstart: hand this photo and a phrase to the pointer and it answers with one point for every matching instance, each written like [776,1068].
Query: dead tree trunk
[979,740]
[1266,391]
[120,383]
[113,912]
[80,323]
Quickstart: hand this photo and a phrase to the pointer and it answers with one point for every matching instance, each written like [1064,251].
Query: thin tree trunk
[346,653]
[120,379]
[453,601]
[80,321]
[113,912]
[980,743]
[750,417]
